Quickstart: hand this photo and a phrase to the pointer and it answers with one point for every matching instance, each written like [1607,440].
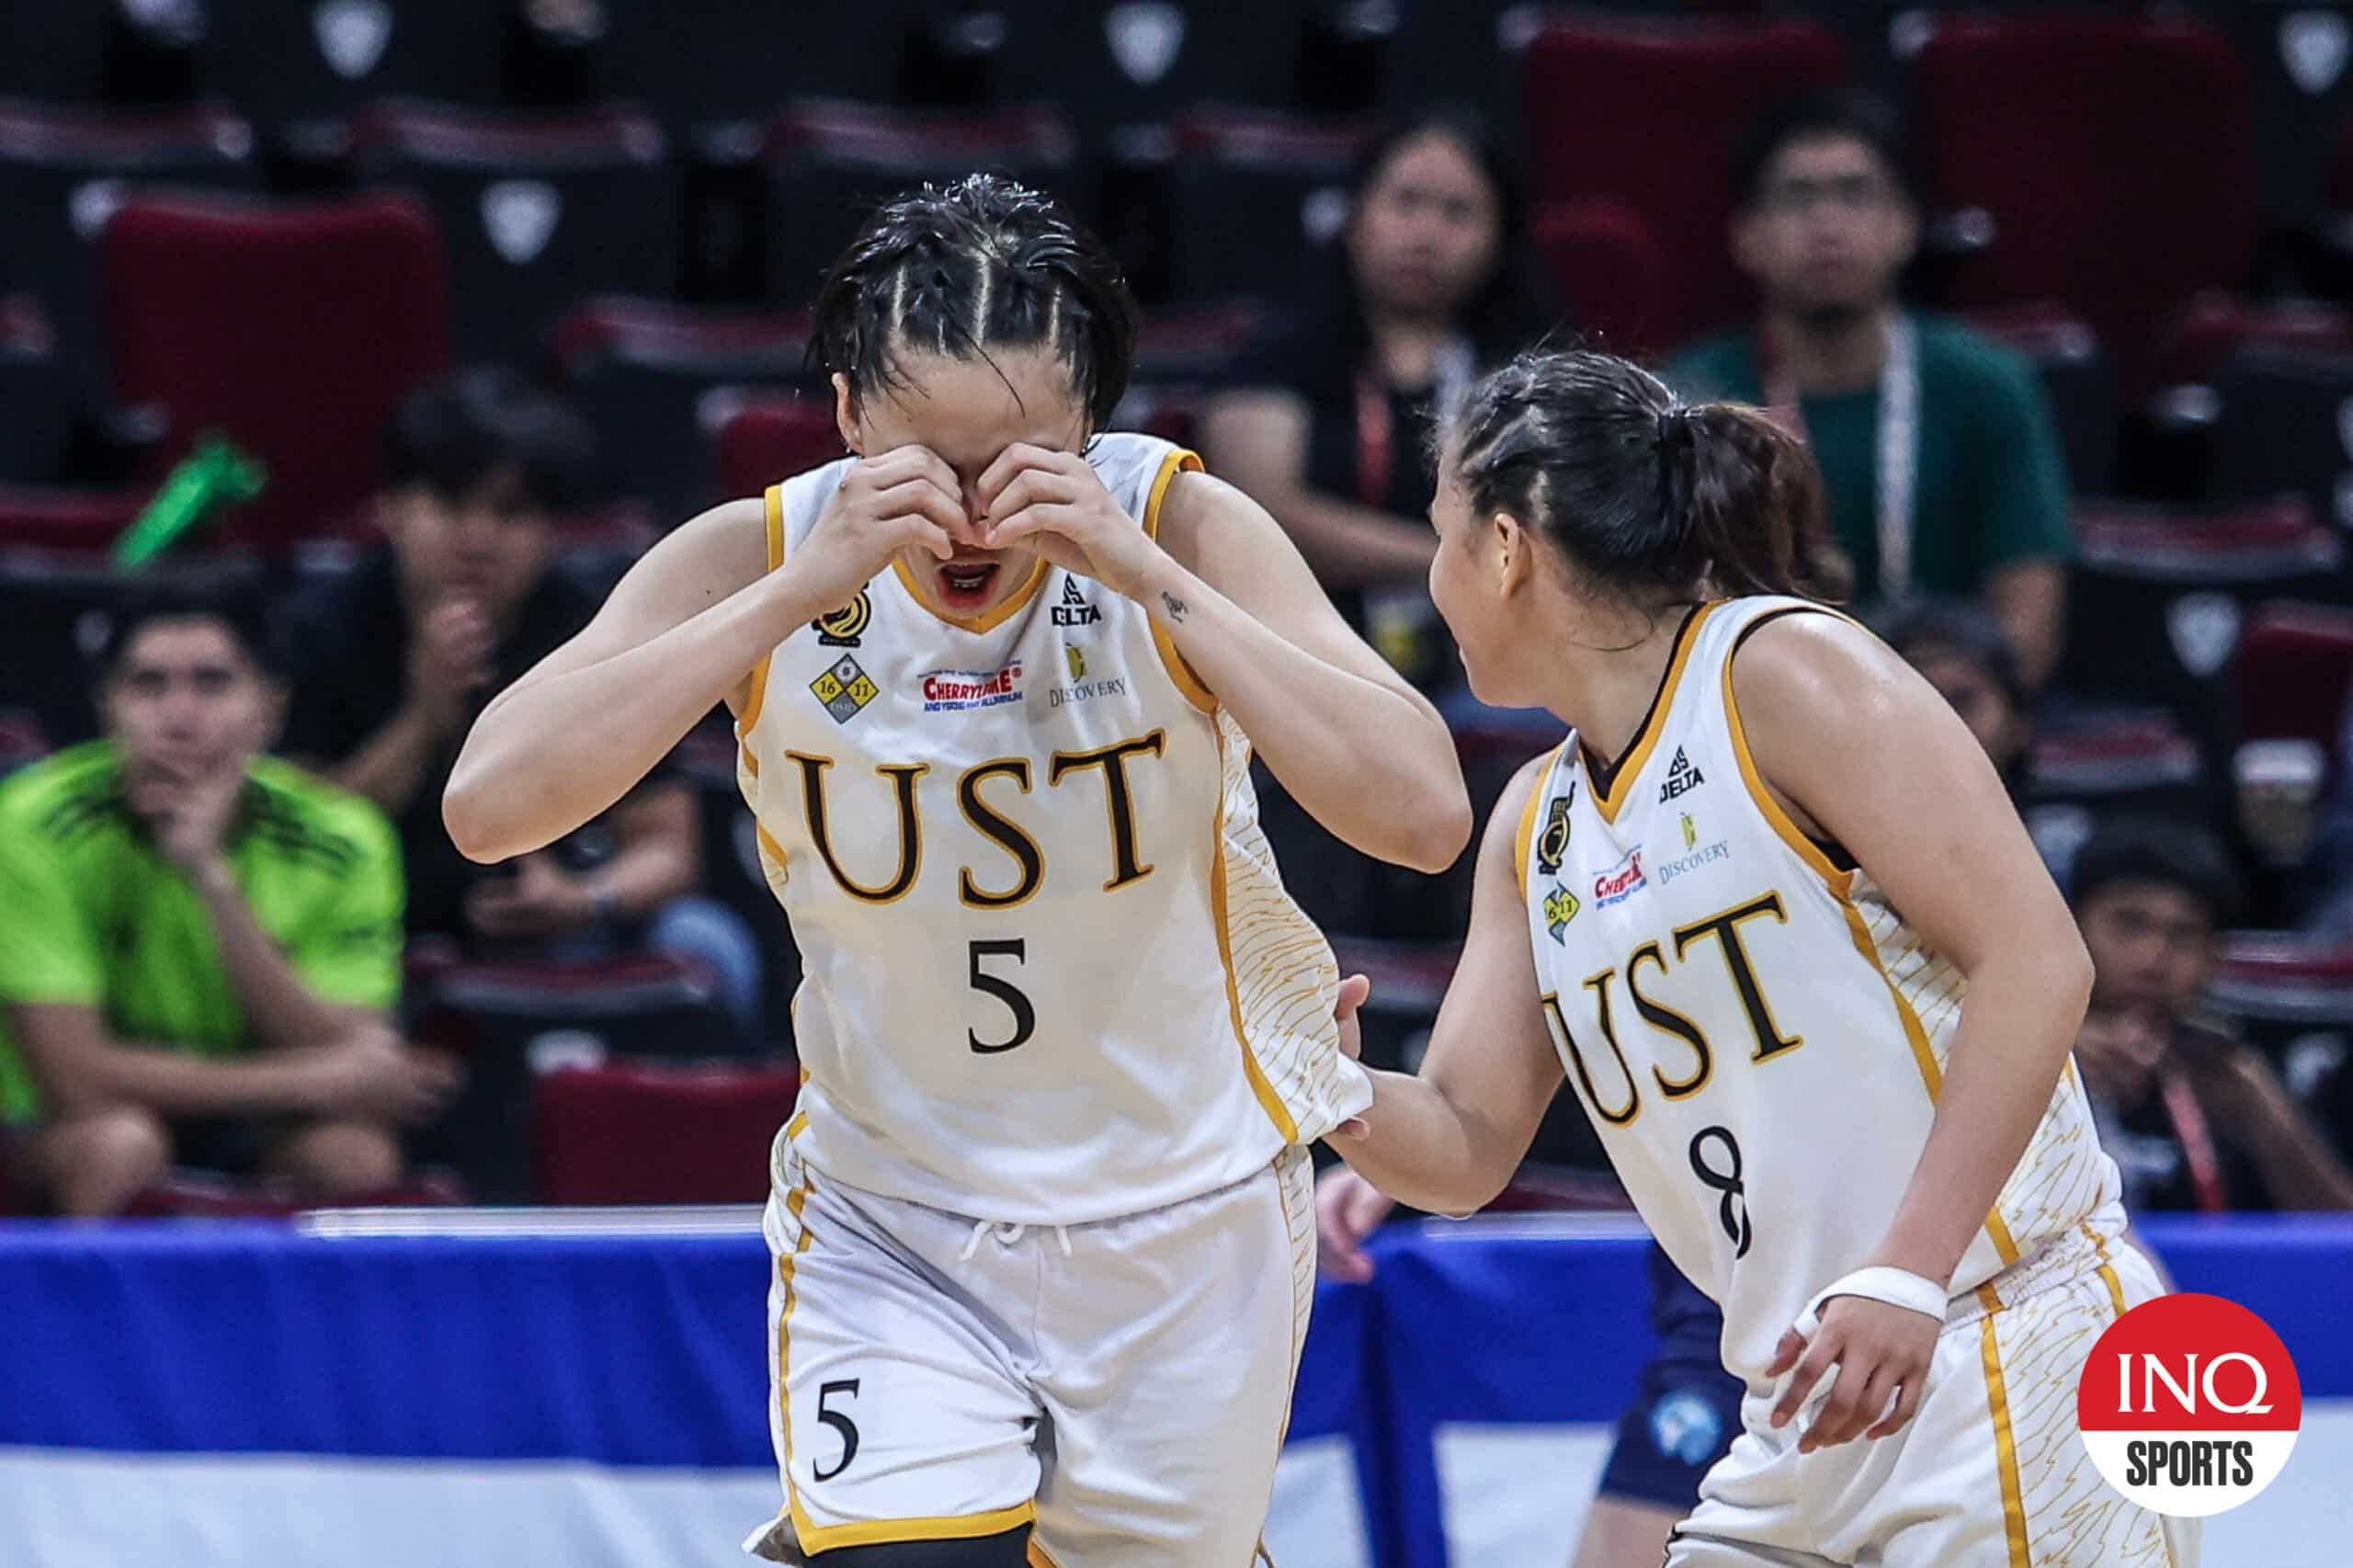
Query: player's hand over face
[1347,1209]
[905,497]
[1054,502]
[1878,1350]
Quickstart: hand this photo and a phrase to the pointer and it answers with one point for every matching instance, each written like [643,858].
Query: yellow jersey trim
[817,1537]
[1040,1557]
[1268,1100]
[1196,690]
[1840,883]
[775,508]
[1631,762]
[794,1202]
[989,620]
[1526,838]
[2005,1448]
[2106,1269]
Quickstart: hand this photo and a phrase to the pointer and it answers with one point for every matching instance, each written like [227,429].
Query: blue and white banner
[228,1395]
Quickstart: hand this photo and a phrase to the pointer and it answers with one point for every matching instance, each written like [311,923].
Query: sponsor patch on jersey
[1682,777]
[1076,657]
[1696,854]
[953,691]
[1553,843]
[1560,907]
[846,625]
[1621,882]
[1074,610]
[844,689]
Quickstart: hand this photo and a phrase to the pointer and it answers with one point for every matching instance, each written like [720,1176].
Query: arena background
[267,220]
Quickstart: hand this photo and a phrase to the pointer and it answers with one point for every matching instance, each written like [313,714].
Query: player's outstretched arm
[1353,742]
[1851,742]
[1448,1139]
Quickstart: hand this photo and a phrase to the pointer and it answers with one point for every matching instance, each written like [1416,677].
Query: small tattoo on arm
[1175,605]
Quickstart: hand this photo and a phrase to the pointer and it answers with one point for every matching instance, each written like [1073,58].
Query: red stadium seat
[2213,324]
[1643,113]
[537,212]
[2289,994]
[345,303]
[829,162]
[2294,671]
[640,1132]
[1606,261]
[76,524]
[641,371]
[760,440]
[65,171]
[2112,157]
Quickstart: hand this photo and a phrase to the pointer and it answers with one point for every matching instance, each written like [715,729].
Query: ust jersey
[1051,973]
[1757,1036]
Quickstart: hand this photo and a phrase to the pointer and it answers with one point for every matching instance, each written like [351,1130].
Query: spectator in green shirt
[1942,467]
[199,944]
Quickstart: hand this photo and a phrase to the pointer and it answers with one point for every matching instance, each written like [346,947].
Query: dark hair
[236,610]
[983,263]
[1644,494]
[1504,314]
[1958,627]
[455,434]
[1838,111]
[2168,852]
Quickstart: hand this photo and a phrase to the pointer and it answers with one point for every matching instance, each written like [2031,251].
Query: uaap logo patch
[844,689]
[846,625]
[1552,845]
[1686,1428]
[1560,907]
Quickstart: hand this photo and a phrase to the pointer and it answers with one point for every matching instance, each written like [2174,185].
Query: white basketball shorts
[1990,1472]
[1122,1386]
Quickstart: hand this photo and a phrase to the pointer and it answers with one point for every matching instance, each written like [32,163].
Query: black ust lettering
[903,777]
[1599,985]
[1113,761]
[1002,833]
[1666,1020]
[1725,928]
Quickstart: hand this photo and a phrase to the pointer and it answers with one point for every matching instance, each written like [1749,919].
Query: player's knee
[340,1156]
[98,1163]
[1010,1550]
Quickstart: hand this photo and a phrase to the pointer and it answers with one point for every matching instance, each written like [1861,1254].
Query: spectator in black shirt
[2194,1119]
[1328,418]
[391,665]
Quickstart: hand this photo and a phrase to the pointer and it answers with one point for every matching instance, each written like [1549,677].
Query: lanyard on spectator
[1898,447]
[2197,1142]
[1451,370]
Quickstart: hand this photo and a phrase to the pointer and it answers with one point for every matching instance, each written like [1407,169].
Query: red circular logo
[2190,1404]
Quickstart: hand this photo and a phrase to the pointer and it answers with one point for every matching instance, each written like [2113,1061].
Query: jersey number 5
[1024,1016]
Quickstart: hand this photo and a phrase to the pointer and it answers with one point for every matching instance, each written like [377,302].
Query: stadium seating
[649,1132]
[760,439]
[2076,379]
[2295,54]
[289,63]
[829,162]
[65,171]
[536,211]
[2108,162]
[642,371]
[1643,113]
[37,398]
[346,305]
[2293,673]
[745,60]
[1606,267]
[1244,203]
[2284,424]
[77,51]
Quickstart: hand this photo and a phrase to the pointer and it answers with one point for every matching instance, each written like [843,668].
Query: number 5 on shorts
[840,1423]
[1024,1016]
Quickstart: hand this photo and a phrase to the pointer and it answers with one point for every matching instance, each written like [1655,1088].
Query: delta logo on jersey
[1682,777]
[2189,1405]
[1621,882]
[953,691]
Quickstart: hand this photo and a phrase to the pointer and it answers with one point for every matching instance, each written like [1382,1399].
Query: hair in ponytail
[1644,494]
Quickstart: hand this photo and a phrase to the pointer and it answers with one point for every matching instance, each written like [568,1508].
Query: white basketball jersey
[1051,973]
[1757,1036]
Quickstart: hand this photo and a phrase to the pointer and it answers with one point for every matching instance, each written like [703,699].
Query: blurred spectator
[392,665]
[2194,1119]
[1961,651]
[1329,415]
[198,943]
[2329,911]
[1943,466]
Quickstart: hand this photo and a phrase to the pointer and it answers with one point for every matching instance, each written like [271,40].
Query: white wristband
[1896,1287]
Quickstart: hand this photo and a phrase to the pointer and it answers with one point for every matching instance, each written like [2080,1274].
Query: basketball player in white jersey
[1770,910]
[1043,1222]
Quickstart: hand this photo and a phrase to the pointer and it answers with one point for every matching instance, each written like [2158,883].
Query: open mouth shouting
[966,585]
